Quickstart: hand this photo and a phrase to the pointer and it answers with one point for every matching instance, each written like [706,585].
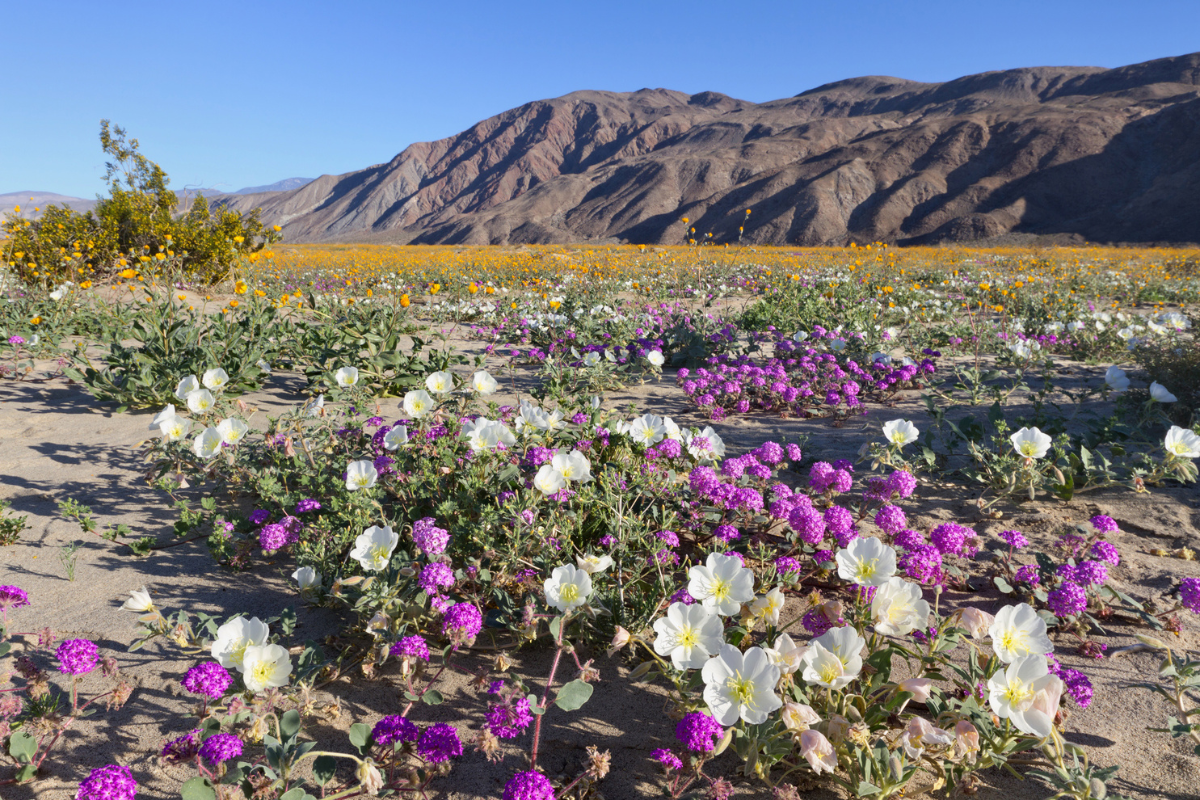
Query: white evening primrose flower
[818,751]
[1182,442]
[346,376]
[396,436]
[647,430]
[548,480]
[314,407]
[799,336]
[266,667]
[440,383]
[263,365]
[1116,379]
[845,644]
[215,379]
[175,429]
[919,688]
[722,584]
[740,685]
[898,608]
[59,293]
[655,358]
[689,635]
[207,443]
[163,417]
[593,564]
[671,430]
[232,430]
[567,588]
[799,716]
[1013,692]
[1159,393]
[483,383]
[417,403]
[234,637]
[1018,631]
[306,578]
[591,359]
[824,668]
[139,601]
[573,466]
[200,401]
[767,607]
[361,475]
[373,548]
[837,345]
[1030,443]
[900,432]
[786,654]
[867,562]
[705,446]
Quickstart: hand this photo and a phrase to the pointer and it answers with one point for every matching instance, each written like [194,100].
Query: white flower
[306,578]
[705,446]
[573,466]
[1013,692]
[593,564]
[898,608]
[440,383]
[818,751]
[266,666]
[591,359]
[799,336]
[900,432]
[689,635]
[484,383]
[722,584]
[163,417]
[671,430]
[314,407]
[175,429]
[740,686]
[1030,442]
[139,601]
[396,436]
[346,376]
[200,401]
[373,548]
[647,430]
[655,358]
[215,379]
[1174,320]
[918,687]
[1018,631]
[234,637]
[798,716]
[59,293]
[361,475]
[548,480]
[263,365]
[786,654]
[417,403]
[867,562]
[977,621]
[207,443]
[232,430]
[1159,392]
[833,659]
[1182,442]
[1116,379]
[768,606]
[837,345]
[567,588]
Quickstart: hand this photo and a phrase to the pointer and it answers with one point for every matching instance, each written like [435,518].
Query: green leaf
[25,773]
[22,747]
[198,788]
[1004,586]
[360,735]
[573,695]
[296,794]
[289,724]
[864,789]
[432,698]
[324,769]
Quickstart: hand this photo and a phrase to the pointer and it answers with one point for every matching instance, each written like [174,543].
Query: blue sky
[235,94]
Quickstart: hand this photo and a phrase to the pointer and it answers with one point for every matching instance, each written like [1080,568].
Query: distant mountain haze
[31,202]
[1099,154]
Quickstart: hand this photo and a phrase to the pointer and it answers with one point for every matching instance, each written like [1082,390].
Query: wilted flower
[976,621]
[818,751]
[139,601]
[799,716]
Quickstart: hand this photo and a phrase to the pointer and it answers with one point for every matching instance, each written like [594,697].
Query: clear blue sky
[235,94]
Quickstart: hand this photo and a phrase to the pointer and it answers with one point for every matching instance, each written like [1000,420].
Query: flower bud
[619,641]
[369,778]
[977,622]
[920,688]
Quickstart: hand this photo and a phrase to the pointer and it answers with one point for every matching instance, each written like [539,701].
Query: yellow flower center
[740,689]
[1014,640]
[262,672]
[377,555]
[687,637]
[867,569]
[721,589]
[1018,695]
[1028,448]
[829,672]
[239,651]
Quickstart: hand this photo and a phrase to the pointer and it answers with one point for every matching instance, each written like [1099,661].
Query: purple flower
[1092,573]
[394,729]
[841,481]
[698,732]
[902,483]
[220,748]
[495,686]
[528,785]
[16,339]
[1106,551]
[1028,574]
[508,722]
[682,596]
[77,656]
[1067,599]
[463,620]
[820,475]
[1189,593]
[669,448]
[726,533]
[306,505]
[12,597]
[786,564]
[668,537]
[431,539]
[435,577]
[1079,686]
[949,538]
[815,621]
[923,563]
[259,516]
[1016,540]
[668,759]
[891,519]
[439,743]
[108,783]
[908,539]
[209,679]
[823,557]
[808,523]
[275,537]
[411,647]
[1104,524]
[768,453]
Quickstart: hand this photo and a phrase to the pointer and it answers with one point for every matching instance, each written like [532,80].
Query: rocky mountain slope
[1103,154]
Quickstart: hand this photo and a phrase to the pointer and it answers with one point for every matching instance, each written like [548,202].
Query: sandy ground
[57,442]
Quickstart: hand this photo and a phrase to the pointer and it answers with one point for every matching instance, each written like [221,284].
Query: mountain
[285,185]
[29,201]
[1102,154]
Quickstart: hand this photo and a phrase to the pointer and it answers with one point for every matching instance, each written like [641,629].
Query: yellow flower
[239,287]
[85,285]
[128,274]
[233,303]
[239,239]
[473,288]
[405,302]
[35,321]
[277,228]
